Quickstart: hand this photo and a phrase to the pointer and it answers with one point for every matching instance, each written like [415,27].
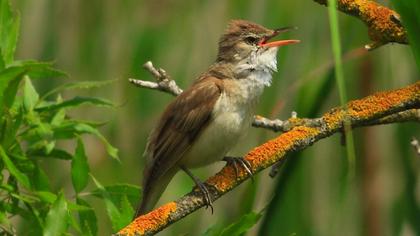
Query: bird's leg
[239,160]
[204,190]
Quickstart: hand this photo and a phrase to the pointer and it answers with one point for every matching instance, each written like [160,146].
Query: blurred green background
[108,39]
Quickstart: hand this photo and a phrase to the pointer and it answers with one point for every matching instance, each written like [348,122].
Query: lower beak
[278,43]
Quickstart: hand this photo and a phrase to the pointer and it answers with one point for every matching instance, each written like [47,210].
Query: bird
[201,125]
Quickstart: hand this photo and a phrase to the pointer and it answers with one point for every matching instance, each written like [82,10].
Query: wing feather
[182,122]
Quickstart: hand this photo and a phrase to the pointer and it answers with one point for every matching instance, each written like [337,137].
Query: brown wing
[182,122]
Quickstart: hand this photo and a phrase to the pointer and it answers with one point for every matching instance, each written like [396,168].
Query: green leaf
[410,14]
[87,219]
[39,70]
[242,225]
[6,76]
[118,191]
[55,153]
[41,137]
[60,116]
[24,197]
[127,211]
[114,214]
[9,30]
[73,223]
[71,129]
[74,102]
[30,96]
[214,230]
[11,91]
[4,220]
[45,196]
[56,221]
[22,178]
[79,168]
[11,126]
[79,85]
[40,180]
[49,197]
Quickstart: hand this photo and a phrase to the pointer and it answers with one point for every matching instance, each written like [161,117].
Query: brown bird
[204,122]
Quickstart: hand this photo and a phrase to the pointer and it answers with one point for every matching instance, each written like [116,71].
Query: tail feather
[152,190]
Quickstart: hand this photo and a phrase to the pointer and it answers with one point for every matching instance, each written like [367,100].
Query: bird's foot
[206,194]
[208,201]
[242,162]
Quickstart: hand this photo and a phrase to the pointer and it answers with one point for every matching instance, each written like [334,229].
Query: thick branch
[357,113]
[383,24]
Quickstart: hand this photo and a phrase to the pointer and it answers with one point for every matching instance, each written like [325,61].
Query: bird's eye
[251,40]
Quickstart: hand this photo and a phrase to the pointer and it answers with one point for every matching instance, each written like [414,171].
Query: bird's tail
[152,190]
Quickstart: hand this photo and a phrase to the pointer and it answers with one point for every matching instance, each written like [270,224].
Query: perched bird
[205,121]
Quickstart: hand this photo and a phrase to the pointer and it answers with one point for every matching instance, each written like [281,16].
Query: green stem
[339,75]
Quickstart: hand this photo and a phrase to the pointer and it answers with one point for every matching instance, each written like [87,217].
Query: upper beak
[264,42]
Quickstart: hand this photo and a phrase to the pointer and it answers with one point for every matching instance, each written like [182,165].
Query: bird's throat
[259,66]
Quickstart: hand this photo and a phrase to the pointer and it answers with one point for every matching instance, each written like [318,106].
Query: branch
[412,115]
[380,106]
[168,85]
[164,82]
[384,25]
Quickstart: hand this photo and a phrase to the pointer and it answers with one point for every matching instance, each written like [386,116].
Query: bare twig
[164,82]
[384,24]
[358,113]
[416,145]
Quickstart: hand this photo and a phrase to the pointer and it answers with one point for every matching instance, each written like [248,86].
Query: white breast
[232,117]
[233,112]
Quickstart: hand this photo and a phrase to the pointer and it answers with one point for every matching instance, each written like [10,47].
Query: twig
[358,113]
[164,81]
[416,145]
[384,25]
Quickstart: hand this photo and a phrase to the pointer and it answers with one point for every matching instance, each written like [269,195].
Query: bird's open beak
[265,43]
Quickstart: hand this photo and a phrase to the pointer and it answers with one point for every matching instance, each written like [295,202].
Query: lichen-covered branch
[384,25]
[412,115]
[358,113]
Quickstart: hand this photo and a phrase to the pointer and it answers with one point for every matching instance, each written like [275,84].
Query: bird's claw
[204,190]
[206,194]
[244,163]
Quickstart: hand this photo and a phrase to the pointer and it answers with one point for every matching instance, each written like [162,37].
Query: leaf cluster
[32,127]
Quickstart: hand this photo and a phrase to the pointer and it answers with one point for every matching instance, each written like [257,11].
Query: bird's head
[248,45]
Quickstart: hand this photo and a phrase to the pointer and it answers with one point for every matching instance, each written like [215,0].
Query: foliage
[239,227]
[32,127]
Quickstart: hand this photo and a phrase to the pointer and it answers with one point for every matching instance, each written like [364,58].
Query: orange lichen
[334,118]
[224,180]
[378,19]
[380,102]
[263,156]
[373,105]
[149,222]
[382,22]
